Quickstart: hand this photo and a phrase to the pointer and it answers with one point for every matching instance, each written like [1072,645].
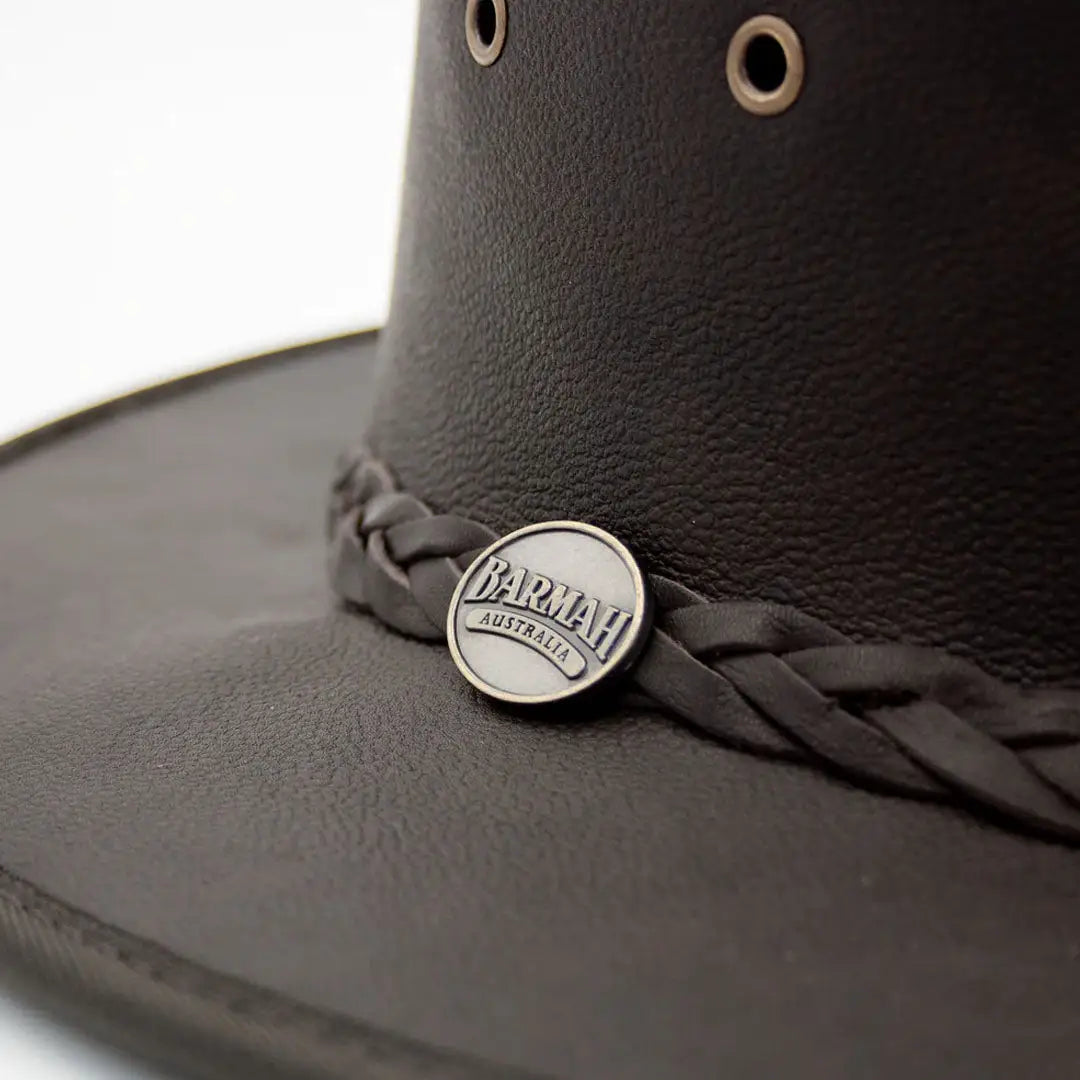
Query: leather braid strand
[757,676]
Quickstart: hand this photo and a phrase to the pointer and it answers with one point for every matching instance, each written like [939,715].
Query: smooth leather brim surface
[228,789]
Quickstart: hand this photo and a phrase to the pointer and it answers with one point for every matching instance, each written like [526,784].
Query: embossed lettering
[600,628]
[487,581]
[582,619]
[536,586]
[527,631]
[606,631]
[560,604]
[508,590]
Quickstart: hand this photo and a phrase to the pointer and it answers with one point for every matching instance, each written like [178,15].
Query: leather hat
[695,691]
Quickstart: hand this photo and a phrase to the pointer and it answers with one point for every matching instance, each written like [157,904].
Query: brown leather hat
[696,690]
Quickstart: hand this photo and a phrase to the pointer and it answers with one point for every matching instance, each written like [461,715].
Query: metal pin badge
[548,612]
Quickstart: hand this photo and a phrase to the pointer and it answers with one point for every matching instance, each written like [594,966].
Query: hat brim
[271,831]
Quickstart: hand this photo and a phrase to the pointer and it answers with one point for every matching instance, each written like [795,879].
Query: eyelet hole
[765,65]
[485,29]
[485,22]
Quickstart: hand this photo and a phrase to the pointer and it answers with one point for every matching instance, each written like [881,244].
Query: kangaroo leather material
[825,359]
[198,751]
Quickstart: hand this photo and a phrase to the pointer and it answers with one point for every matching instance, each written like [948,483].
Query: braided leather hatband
[757,676]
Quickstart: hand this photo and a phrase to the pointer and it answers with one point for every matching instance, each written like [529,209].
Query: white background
[181,184]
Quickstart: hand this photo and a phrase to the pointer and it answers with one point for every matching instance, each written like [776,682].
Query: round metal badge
[548,612]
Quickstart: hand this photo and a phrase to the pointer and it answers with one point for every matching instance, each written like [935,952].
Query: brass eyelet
[765,65]
[485,30]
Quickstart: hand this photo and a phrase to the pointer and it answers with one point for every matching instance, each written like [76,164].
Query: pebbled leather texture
[197,750]
[845,331]
[825,359]
[759,677]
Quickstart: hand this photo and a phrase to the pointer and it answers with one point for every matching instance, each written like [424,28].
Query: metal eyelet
[485,30]
[765,65]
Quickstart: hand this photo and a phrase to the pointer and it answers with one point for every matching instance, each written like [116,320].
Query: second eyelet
[485,29]
[765,65]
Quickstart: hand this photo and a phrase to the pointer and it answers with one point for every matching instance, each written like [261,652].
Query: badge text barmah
[600,626]
[563,590]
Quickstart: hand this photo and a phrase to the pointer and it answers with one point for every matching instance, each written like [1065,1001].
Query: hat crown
[825,358]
